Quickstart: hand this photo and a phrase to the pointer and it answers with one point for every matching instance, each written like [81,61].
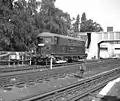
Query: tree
[76,24]
[6,27]
[89,25]
[21,22]
[83,18]
[18,29]
[24,30]
[52,19]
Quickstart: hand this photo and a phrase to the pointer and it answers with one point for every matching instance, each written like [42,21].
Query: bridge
[98,40]
[111,47]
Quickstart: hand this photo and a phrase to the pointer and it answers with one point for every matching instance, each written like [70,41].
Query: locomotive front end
[41,44]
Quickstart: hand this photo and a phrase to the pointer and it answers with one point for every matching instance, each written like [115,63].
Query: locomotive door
[40,45]
[47,49]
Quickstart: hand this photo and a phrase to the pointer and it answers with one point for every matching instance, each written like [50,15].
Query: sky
[104,12]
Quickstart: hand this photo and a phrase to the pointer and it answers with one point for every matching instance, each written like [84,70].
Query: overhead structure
[96,48]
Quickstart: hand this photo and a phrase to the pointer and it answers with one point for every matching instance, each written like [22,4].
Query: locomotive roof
[57,35]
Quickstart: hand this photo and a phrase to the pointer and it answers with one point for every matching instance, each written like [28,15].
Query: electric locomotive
[61,47]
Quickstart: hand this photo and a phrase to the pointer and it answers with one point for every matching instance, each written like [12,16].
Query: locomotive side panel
[76,47]
[68,47]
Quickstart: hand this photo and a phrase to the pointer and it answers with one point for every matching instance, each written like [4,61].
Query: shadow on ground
[110,98]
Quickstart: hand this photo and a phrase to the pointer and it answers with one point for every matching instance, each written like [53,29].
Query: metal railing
[13,58]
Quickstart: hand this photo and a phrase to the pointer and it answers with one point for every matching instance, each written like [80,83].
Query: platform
[111,92]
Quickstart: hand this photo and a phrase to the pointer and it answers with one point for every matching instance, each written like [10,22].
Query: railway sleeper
[62,75]
[39,80]
[37,77]
[84,86]
[6,85]
[21,82]
[103,79]
[30,83]
[31,80]
[55,77]
[7,88]
[21,85]
[50,75]
[47,79]
[87,84]
[80,95]
[4,81]
[97,81]
[46,74]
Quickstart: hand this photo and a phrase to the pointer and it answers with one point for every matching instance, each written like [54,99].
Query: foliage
[83,18]
[25,30]
[52,19]
[89,25]
[77,24]
[5,26]
[18,31]
[21,21]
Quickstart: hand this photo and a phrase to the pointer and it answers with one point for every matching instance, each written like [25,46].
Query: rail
[45,74]
[15,68]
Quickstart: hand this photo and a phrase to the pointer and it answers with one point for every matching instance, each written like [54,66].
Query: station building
[109,47]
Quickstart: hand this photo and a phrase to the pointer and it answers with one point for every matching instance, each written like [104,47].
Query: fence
[10,58]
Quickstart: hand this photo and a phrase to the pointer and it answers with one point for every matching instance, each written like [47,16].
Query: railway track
[24,77]
[16,78]
[33,67]
[78,90]
[15,68]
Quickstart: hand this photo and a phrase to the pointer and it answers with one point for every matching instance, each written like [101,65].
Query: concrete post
[30,61]
[22,59]
[51,62]
[98,54]
[9,61]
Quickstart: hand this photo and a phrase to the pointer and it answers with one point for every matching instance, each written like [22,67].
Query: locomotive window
[55,40]
[40,40]
[70,40]
[47,40]
[63,48]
